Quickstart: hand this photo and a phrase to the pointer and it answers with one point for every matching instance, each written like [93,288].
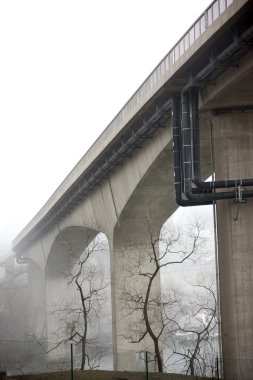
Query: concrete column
[131,254]
[233,145]
[37,301]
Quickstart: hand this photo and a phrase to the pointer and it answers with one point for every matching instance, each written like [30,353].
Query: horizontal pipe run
[224,184]
[218,195]
[197,194]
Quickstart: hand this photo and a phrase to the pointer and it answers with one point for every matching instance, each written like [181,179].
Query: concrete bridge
[204,84]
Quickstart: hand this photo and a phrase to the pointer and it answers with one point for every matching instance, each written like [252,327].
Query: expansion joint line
[113,200]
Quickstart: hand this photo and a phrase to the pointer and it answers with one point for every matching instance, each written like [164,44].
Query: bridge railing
[166,65]
[207,18]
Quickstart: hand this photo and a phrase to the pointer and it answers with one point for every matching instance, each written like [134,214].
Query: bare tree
[77,316]
[148,309]
[195,325]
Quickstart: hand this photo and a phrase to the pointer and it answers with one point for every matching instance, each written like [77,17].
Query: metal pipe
[202,75]
[224,184]
[226,54]
[186,141]
[195,134]
[176,120]
[200,198]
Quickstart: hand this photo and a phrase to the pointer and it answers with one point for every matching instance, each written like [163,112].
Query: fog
[66,70]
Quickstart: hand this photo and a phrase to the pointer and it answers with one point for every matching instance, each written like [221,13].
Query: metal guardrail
[207,18]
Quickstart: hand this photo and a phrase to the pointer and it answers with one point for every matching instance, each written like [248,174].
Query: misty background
[66,69]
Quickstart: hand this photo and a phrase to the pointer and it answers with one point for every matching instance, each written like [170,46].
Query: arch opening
[78,292]
[189,287]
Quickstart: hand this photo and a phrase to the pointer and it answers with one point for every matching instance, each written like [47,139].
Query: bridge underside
[120,202]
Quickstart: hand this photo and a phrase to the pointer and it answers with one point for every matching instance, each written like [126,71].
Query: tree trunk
[191,366]
[83,355]
[158,357]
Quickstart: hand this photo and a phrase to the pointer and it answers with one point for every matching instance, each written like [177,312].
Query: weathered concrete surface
[233,88]
[233,144]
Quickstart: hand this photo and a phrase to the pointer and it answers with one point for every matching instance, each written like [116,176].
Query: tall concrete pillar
[131,248]
[36,301]
[233,151]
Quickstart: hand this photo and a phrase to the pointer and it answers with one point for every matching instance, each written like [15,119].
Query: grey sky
[66,69]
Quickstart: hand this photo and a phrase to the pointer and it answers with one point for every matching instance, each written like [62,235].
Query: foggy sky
[66,69]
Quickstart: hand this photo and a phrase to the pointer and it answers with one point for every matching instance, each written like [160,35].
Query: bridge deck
[169,75]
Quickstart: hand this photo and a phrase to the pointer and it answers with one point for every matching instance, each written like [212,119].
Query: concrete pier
[233,146]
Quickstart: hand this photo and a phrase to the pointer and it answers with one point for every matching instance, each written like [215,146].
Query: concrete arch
[152,193]
[132,181]
[154,190]
[67,248]
[102,209]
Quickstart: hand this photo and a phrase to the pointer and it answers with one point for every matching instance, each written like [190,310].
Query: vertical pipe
[195,134]
[216,248]
[217,376]
[146,362]
[179,181]
[176,144]
[186,140]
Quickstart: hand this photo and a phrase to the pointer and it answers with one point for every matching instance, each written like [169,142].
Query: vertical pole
[146,362]
[217,376]
[71,358]
[3,375]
